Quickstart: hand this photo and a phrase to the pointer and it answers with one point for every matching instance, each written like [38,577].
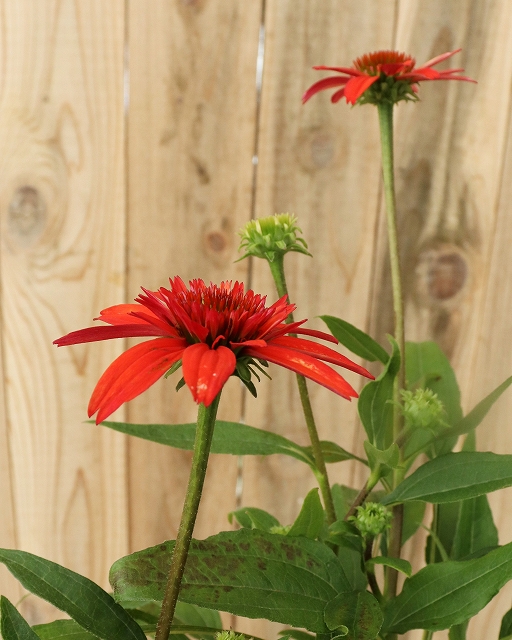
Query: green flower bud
[371,519]
[280,529]
[266,237]
[229,635]
[422,408]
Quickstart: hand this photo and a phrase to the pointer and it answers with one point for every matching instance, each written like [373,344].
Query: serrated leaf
[83,600]
[356,340]
[232,438]
[246,572]
[310,521]
[455,476]
[375,402]
[254,518]
[358,611]
[446,594]
[12,624]
[395,563]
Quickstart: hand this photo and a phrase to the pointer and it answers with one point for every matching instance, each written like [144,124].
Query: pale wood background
[127,135]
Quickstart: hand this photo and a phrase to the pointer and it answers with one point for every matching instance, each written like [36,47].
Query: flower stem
[277,270]
[203,438]
[386,137]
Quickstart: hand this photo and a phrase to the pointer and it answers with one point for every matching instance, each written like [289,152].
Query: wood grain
[191,137]
[62,217]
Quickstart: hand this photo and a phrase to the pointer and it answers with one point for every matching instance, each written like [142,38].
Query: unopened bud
[266,237]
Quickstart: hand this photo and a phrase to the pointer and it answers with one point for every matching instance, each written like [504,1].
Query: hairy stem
[203,438]
[386,136]
[277,270]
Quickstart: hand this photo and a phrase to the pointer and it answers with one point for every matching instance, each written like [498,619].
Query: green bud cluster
[390,90]
[371,519]
[422,408]
[280,529]
[229,635]
[271,236]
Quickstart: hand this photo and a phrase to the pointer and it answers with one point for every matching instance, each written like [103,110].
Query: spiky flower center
[371,63]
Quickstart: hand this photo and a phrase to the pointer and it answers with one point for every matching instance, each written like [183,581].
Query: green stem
[386,137]
[277,270]
[203,438]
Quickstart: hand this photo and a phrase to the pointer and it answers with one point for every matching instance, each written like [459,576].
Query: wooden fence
[128,136]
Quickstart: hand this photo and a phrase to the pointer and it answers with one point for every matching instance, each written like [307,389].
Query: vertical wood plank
[62,224]
[319,162]
[449,155]
[191,138]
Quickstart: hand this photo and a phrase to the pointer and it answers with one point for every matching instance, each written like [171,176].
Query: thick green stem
[204,432]
[277,270]
[386,136]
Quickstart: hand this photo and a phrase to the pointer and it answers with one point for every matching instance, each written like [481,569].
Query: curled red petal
[322,352]
[357,86]
[306,365]
[326,83]
[95,334]
[207,370]
[122,314]
[133,372]
[338,95]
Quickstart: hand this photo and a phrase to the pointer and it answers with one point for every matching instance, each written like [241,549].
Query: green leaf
[478,413]
[254,518]
[445,521]
[455,476]
[375,403]
[228,437]
[62,630]
[356,340]
[78,596]
[359,611]
[246,572]
[458,632]
[333,452]
[475,528]
[296,634]
[395,563]
[446,594]
[413,517]
[506,625]
[382,462]
[12,624]
[196,616]
[310,521]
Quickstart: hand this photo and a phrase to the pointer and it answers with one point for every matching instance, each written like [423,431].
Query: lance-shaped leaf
[233,438]
[247,572]
[446,594]
[310,521]
[475,528]
[506,625]
[375,402]
[455,476]
[358,611]
[254,518]
[356,340]
[62,630]
[83,600]
[12,624]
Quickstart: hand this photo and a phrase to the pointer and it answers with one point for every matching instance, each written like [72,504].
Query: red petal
[249,343]
[133,372]
[121,314]
[317,334]
[338,95]
[357,86]
[305,365]
[347,70]
[95,334]
[443,56]
[323,353]
[207,370]
[326,83]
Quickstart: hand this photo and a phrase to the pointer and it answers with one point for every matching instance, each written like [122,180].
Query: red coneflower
[391,75]
[215,331]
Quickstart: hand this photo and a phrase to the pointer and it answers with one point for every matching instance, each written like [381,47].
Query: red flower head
[382,76]
[215,331]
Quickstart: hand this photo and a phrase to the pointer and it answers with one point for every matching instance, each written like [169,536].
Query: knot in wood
[216,241]
[27,214]
[443,273]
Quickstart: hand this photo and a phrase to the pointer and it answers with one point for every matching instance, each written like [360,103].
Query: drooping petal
[95,334]
[322,352]
[207,370]
[338,95]
[326,83]
[306,365]
[357,86]
[133,372]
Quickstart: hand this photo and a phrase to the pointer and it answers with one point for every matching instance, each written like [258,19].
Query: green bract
[266,237]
